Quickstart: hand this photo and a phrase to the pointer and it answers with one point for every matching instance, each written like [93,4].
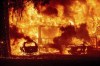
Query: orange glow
[32,19]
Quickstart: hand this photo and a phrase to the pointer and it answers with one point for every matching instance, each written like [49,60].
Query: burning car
[29,47]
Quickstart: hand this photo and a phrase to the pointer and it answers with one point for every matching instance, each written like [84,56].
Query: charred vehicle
[29,47]
[79,50]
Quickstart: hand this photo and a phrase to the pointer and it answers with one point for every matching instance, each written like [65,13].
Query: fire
[16,47]
[42,26]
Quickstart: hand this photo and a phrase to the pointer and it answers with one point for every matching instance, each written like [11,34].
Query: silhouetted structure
[29,47]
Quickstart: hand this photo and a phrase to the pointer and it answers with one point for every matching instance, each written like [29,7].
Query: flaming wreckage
[66,27]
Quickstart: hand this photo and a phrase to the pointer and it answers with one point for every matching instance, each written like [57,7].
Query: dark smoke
[68,33]
[64,40]
[50,11]
[16,35]
[18,6]
[82,32]
[41,2]
[51,6]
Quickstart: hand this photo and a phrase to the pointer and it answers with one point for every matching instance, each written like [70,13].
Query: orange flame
[31,19]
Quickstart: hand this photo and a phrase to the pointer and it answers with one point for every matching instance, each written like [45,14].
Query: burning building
[51,26]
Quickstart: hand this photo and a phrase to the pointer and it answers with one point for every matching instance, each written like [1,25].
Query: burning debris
[76,21]
[67,35]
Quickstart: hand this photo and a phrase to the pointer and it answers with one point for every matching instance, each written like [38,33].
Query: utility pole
[4,28]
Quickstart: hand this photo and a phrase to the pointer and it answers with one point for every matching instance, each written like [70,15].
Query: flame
[32,17]
[16,48]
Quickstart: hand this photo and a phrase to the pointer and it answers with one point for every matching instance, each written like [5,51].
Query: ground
[51,60]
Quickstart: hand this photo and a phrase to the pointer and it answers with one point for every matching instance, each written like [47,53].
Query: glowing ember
[66,22]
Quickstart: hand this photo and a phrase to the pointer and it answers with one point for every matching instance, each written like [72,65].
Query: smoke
[82,33]
[17,4]
[64,40]
[51,6]
[50,11]
[16,35]
[68,33]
